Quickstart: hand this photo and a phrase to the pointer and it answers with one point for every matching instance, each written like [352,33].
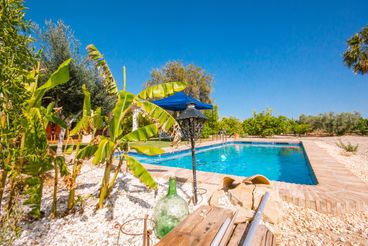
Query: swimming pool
[286,162]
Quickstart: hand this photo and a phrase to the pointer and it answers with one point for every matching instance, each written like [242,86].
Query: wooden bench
[202,226]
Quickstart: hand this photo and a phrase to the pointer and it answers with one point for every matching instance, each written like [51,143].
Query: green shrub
[211,126]
[300,128]
[265,124]
[348,147]
[231,126]
[362,127]
[331,123]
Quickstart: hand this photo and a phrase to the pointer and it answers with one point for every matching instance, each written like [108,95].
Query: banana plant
[108,79]
[117,145]
[106,149]
[36,156]
[90,122]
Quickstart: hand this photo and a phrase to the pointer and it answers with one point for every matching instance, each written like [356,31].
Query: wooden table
[199,228]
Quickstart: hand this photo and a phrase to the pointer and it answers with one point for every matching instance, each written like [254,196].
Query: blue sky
[286,55]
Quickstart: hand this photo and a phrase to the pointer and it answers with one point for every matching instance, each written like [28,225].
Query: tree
[299,128]
[211,126]
[231,126]
[331,123]
[89,123]
[356,55]
[37,157]
[59,43]
[265,124]
[199,82]
[16,60]
[362,127]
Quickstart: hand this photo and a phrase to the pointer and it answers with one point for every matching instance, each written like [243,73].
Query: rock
[272,212]
[242,196]
[246,197]
[218,199]
[244,215]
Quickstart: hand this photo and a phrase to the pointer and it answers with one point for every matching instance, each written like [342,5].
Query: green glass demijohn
[169,210]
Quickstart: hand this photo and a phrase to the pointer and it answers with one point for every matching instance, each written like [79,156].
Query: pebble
[129,199]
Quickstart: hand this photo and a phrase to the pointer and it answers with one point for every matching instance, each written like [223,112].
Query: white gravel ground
[357,163]
[302,226]
[130,199]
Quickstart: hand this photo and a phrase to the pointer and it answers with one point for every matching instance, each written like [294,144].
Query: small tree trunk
[4,175]
[18,167]
[111,185]
[61,141]
[74,176]
[54,200]
[11,195]
[105,183]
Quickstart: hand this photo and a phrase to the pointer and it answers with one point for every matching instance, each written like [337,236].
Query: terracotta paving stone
[338,189]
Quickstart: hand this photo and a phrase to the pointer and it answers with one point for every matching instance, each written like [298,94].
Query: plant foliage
[199,83]
[348,147]
[356,55]
[118,140]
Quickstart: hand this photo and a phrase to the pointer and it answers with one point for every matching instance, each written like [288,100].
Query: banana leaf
[139,171]
[60,76]
[155,112]
[109,81]
[162,90]
[124,101]
[50,107]
[141,134]
[147,150]
[86,101]
[87,152]
[97,119]
[56,120]
[34,195]
[60,162]
[84,123]
[70,150]
[105,149]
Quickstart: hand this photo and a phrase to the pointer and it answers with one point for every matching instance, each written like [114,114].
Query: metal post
[212,125]
[195,199]
[145,235]
[257,218]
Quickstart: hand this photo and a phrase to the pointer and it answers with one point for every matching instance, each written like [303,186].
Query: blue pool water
[276,161]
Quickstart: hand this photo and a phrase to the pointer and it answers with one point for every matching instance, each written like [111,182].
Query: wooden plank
[181,234]
[229,231]
[263,237]
[199,228]
[209,227]
[238,235]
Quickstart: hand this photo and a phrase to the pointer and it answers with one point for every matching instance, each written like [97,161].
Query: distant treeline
[265,124]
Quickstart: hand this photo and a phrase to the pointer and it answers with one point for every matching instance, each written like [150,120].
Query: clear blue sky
[286,55]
